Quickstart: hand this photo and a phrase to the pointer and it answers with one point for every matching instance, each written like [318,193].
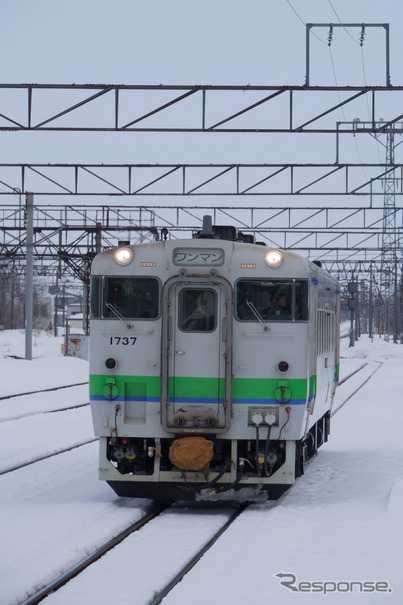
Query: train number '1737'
[122,340]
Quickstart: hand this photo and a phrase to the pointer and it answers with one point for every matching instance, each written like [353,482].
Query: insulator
[330,36]
[362,35]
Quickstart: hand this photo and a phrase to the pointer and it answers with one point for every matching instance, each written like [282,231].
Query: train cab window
[131,297]
[272,300]
[197,310]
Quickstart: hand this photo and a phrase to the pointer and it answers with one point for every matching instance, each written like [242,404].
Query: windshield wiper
[118,315]
[257,315]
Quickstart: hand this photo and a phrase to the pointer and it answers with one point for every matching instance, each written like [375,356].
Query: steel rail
[39,412]
[66,386]
[380,364]
[179,576]
[352,373]
[97,554]
[46,456]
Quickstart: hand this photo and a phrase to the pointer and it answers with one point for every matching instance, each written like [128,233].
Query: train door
[196,389]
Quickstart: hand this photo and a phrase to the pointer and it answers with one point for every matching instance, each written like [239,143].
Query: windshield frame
[99,292]
[295,312]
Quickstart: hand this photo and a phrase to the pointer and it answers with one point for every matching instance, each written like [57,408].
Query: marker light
[123,256]
[274,258]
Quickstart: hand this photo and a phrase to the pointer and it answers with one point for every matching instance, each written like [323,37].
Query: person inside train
[202,316]
[281,305]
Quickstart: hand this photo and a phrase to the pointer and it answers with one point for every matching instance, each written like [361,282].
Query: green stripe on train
[150,384]
[264,388]
[242,388]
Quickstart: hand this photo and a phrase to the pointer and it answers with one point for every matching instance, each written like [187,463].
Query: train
[214,362]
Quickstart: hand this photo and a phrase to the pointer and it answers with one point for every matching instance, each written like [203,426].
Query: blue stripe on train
[197,400]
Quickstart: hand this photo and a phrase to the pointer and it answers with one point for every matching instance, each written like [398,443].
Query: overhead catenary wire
[360,43]
[341,23]
[303,22]
[342,110]
[328,43]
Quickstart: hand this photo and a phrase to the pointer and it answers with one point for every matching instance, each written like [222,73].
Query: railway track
[8,404]
[160,594]
[46,456]
[67,386]
[65,577]
[368,369]
[39,412]
[186,568]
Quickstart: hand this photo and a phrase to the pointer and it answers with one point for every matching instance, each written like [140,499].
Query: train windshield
[129,297]
[273,300]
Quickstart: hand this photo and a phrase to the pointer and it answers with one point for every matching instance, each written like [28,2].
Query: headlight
[123,256]
[274,258]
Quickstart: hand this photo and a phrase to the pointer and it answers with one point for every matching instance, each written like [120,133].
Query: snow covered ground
[338,531]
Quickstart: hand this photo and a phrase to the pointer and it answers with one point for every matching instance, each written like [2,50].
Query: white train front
[213,366]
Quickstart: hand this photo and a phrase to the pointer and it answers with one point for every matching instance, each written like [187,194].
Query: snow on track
[54,517]
[146,561]
[36,403]
[28,438]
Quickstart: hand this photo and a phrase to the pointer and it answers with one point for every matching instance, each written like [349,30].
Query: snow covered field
[338,531]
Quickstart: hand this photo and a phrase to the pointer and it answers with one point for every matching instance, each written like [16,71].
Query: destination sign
[197,257]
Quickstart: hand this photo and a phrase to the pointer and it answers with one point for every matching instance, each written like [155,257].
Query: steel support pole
[352,337]
[386,26]
[307,66]
[29,266]
[396,331]
[370,310]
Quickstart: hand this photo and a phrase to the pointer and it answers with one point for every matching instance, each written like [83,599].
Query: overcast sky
[189,42]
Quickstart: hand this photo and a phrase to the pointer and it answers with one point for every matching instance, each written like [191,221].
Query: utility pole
[389,316]
[29,268]
[370,310]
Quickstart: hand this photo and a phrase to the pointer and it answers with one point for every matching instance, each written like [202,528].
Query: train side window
[197,310]
[131,297]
